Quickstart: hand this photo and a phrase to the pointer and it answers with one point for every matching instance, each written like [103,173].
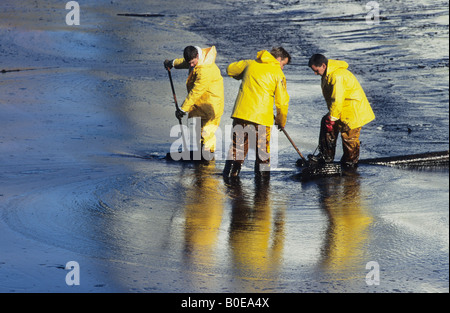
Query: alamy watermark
[187,145]
[373,16]
[73,276]
[373,276]
[73,17]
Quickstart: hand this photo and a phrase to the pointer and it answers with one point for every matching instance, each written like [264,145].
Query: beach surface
[86,119]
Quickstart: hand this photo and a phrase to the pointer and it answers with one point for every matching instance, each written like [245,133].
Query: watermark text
[73,276]
[187,145]
[73,17]
[373,16]
[373,276]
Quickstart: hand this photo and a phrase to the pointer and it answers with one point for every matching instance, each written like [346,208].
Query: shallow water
[174,228]
[72,188]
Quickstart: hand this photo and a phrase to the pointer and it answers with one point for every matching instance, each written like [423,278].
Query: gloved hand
[179,114]
[329,124]
[280,128]
[168,64]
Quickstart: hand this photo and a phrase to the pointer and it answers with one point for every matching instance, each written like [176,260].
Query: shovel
[305,162]
[177,108]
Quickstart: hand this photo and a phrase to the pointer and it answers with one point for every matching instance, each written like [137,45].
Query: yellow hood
[208,56]
[333,65]
[264,56]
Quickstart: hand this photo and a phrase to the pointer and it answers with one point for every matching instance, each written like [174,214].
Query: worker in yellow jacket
[263,85]
[204,85]
[348,107]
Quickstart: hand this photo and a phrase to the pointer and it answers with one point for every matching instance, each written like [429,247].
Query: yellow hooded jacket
[344,95]
[204,84]
[263,83]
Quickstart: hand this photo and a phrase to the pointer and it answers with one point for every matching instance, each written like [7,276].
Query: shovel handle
[173,89]
[177,108]
[293,144]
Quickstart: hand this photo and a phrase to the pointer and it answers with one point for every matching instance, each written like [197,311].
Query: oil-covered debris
[423,160]
[319,170]
[141,14]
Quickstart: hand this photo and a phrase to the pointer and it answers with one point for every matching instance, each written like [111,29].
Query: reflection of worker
[202,216]
[263,84]
[348,107]
[256,236]
[348,224]
[205,97]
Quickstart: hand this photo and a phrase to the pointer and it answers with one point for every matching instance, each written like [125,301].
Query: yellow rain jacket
[204,85]
[205,97]
[344,95]
[263,84]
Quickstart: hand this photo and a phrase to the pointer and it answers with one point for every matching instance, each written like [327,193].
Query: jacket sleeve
[337,97]
[236,69]
[281,102]
[180,64]
[201,84]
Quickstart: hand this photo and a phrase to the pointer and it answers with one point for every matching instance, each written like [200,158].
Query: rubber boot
[262,173]
[227,168]
[231,169]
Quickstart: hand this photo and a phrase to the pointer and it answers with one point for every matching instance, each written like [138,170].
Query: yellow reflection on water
[256,233]
[347,234]
[203,215]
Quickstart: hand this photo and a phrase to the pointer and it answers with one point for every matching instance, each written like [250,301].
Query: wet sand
[98,95]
